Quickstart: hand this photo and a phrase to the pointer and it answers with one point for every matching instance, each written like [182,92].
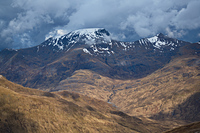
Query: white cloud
[145,17]
[56,33]
[126,19]
[175,33]
[188,17]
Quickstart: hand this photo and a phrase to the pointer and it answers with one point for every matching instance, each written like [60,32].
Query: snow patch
[86,51]
[104,49]
[60,47]
[122,43]
[140,42]
[153,39]
[38,48]
[94,48]
[112,52]
[172,49]
[158,44]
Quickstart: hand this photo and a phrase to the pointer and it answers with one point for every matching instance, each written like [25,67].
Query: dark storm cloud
[25,23]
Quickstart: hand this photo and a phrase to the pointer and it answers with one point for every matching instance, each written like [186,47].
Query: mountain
[154,79]
[56,59]
[25,110]
[78,38]
[169,95]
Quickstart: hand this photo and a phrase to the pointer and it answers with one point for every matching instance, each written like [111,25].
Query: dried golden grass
[28,110]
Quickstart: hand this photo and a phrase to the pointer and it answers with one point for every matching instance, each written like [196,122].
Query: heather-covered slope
[25,110]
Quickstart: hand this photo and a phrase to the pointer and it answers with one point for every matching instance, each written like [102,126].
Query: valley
[87,78]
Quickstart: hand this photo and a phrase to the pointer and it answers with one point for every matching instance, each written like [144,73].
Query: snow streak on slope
[161,42]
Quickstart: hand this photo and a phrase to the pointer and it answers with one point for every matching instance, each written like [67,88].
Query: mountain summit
[56,59]
[92,34]
[82,36]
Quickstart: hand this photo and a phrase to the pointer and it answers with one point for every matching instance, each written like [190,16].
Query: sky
[27,23]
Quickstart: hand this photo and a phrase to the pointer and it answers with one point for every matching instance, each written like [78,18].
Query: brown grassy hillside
[25,110]
[169,94]
[89,83]
[161,91]
[191,128]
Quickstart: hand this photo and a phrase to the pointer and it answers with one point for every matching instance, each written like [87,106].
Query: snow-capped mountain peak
[161,41]
[92,35]
[83,36]
[97,41]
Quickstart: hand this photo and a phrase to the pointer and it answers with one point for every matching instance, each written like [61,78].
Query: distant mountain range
[45,65]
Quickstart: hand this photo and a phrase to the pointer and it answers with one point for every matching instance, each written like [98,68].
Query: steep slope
[56,59]
[28,110]
[169,94]
[162,91]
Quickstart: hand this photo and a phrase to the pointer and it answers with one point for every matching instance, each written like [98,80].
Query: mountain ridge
[56,59]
